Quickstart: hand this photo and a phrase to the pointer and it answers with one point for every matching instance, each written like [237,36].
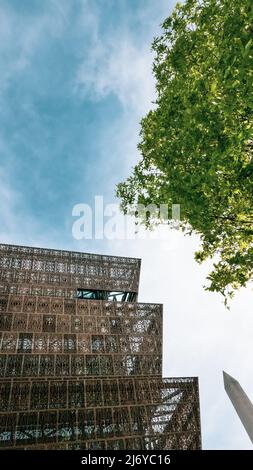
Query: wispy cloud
[12,221]
[119,67]
[116,62]
[23,35]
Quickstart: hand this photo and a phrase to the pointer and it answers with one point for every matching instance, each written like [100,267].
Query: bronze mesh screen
[85,374]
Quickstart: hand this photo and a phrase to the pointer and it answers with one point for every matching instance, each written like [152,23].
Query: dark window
[78,366]
[4,395]
[31,365]
[76,394]
[62,365]
[47,426]
[92,365]
[5,321]
[46,365]
[66,425]
[97,343]
[104,422]
[111,344]
[14,364]
[20,396]
[3,304]
[94,393]
[121,420]
[115,444]
[7,429]
[58,395]
[2,365]
[106,295]
[69,343]
[106,365]
[25,341]
[27,428]
[86,424]
[49,323]
[116,325]
[39,395]
[138,420]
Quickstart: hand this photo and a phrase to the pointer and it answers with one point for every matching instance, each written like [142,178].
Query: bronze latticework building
[81,360]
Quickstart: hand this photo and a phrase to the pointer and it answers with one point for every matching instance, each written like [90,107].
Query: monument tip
[228,379]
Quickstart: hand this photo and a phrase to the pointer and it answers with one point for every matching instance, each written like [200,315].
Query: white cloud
[121,68]
[115,63]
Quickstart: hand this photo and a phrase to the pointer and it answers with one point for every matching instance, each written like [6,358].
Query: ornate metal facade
[80,373]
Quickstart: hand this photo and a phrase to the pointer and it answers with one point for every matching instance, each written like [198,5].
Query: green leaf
[197,143]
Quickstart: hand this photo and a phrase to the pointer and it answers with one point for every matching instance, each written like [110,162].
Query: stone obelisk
[242,404]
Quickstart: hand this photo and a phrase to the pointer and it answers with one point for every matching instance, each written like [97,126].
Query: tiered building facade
[81,359]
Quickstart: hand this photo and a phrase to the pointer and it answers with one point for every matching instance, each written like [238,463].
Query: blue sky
[71,98]
[75,81]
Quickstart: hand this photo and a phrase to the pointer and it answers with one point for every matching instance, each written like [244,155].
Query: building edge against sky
[81,359]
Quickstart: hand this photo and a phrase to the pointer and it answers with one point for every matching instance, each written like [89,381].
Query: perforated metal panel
[113,413]
[84,337]
[85,374]
[40,271]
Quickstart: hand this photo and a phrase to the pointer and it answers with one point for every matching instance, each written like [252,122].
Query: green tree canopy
[197,143]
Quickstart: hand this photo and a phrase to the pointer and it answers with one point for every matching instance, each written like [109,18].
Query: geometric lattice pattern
[40,271]
[85,374]
[100,413]
[84,337]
